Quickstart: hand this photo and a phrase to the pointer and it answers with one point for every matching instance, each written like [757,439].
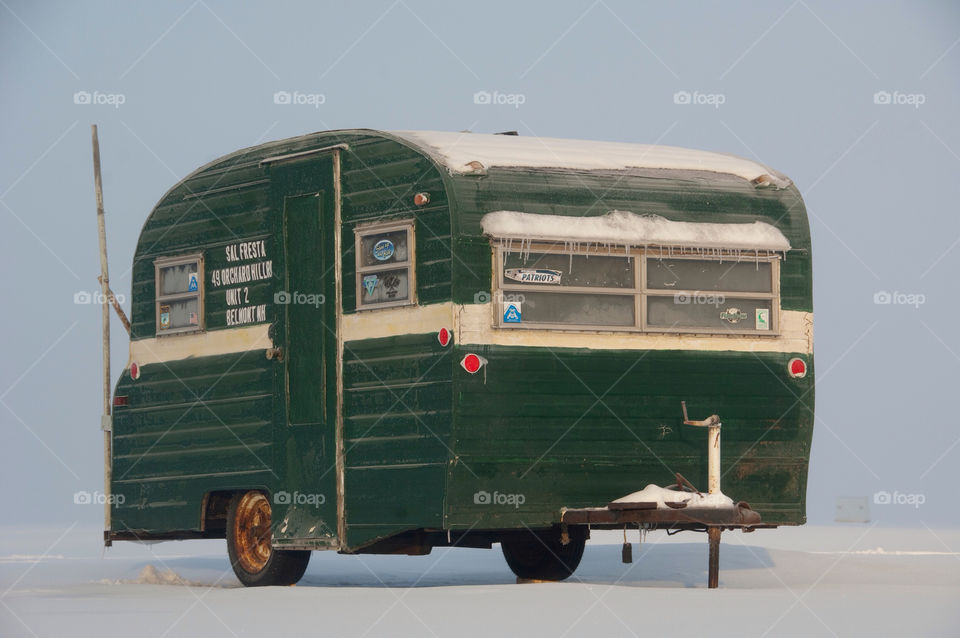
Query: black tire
[541,555]
[254,561]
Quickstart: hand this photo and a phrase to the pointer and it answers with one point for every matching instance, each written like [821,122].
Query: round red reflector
[134,371]
[471,363]
[443,337]
[797,368]
[421,199]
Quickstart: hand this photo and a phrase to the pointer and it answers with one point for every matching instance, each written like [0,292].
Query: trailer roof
[459,152]
[621,227]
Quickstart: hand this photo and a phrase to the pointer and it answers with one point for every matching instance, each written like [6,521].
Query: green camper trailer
[385,342]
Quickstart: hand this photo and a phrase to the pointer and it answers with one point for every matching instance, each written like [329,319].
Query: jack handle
[712,421]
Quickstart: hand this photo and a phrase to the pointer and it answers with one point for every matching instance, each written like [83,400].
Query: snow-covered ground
[856,580]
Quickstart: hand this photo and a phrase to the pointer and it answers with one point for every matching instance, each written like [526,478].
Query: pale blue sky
[797,81]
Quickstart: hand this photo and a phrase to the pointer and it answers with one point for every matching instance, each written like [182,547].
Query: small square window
[385,265]
[179,299]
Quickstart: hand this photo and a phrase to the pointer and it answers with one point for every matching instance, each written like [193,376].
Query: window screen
[179,298]
[385,265]
[641,291]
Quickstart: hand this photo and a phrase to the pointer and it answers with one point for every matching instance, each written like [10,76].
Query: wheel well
[215,506]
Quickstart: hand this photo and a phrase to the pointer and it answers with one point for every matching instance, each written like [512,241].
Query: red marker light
[134,371]
[119,401]
[421,199]
[472,363]
[797,368]
[443,337]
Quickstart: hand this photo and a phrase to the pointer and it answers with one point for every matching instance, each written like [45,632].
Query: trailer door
[305,441]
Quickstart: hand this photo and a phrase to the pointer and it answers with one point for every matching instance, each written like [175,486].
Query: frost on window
[578,309]
[649,289]
[567,270]
[384,248]
[385,286]
[179,294]
[701,274]
[385,264]
[711,315]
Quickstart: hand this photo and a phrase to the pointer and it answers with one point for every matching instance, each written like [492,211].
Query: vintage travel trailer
[385,342]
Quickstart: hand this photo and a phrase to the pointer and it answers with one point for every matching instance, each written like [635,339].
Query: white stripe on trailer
[473,324]
[200,344]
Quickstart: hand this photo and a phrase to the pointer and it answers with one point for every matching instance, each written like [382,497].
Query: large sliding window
[638,289]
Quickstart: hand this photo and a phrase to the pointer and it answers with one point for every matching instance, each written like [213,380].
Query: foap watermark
[696,98]
[496,98]
[897,298]
[296,98]
[297,298]
[85,298]
[699,299]
[499,296]
[97,498]
[898,498]
[484,497]
[899,98]
[298,498]
[96,98]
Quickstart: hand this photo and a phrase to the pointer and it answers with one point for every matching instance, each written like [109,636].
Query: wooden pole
[106,421]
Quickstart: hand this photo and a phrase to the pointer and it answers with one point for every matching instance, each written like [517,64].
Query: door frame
[339,454]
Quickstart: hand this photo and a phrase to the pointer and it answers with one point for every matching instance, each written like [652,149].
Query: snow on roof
[626,228]
[473,152]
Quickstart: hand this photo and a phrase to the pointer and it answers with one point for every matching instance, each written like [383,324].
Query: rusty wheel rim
[251,534]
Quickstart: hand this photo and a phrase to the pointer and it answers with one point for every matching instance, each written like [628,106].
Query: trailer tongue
[678,508]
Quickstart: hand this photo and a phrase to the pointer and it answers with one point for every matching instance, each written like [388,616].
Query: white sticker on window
[533,276]
[733,315]
[763,319]
[512,313]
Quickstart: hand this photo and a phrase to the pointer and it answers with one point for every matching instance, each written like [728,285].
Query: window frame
[360,232]
[640,291]
[165,262]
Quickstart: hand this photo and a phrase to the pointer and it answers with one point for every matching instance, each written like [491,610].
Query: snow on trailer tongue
[623,228]
[664,497]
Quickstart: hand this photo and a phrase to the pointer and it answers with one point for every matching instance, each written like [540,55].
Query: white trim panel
[391,322]
[475,326]
[201,344]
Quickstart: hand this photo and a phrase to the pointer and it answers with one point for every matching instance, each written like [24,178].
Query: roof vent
[507,133]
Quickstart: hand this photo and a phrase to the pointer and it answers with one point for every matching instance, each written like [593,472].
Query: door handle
[275,354]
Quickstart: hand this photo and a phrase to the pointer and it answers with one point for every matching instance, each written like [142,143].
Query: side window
[710,295]
[179,284]
[641,290]
[385,257]
[568,289]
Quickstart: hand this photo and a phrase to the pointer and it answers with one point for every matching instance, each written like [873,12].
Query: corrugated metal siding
[580,428]
[230,201]
[380,178]
[720,198]
[397,456]
[397,418]
[196,425]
